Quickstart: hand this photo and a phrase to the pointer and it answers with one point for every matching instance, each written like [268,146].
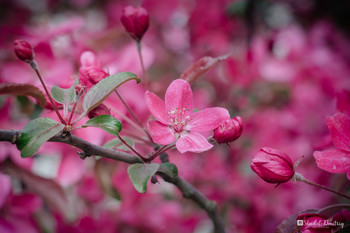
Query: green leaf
[64,96]
[140,173]
[117,144]
[105,122]
[168,168]
[36,133]
[104,88]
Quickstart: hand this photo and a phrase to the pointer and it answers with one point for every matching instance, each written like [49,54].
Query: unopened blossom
[135,21]
[95,74]
[24,50]
[176,120]
[98,111]
[229,130]
[337,158]
[272,165]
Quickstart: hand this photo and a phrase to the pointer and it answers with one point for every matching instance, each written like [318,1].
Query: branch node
[15,137]
[164,158]
[83,154]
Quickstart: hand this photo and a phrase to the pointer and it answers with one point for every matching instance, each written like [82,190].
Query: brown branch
[89,149]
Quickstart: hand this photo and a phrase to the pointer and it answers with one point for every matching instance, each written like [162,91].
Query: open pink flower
[177,121]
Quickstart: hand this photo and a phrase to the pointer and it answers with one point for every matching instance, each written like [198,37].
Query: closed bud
[95,74]
[272,165]
[24,51]
[79,89]
[98,111]
[229,130]
[135,21]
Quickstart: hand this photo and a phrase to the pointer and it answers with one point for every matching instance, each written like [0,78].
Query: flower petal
[179,96]
[157,107]
[333,160]
[193,142]
[161,133]
[208,119]
[339,128]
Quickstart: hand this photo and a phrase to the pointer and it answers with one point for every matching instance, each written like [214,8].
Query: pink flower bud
[95,74]
[98,111]
[272,165]
[79,89]
[135,21]
[229,130]
[24,50]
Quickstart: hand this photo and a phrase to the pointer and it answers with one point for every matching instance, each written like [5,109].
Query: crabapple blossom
[176,120]
[272,165]
[229,130]
[136,21]
[24,50]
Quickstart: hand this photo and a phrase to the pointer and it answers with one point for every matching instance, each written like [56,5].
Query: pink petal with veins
[157,107]
[339,128]
[179,96]
[193,142]
[208,119]
[333,160]
[161,133]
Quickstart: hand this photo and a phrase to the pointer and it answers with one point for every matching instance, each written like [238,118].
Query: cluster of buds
[273,165]
[229,131]
[136,21]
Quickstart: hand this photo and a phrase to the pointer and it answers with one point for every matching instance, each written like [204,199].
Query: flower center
[179,118]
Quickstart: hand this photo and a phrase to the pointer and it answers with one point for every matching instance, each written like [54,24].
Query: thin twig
[133,115]
[299,177]
[160,151]
[130,147]
[144,77]
[36,69]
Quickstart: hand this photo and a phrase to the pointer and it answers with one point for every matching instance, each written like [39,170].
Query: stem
[127,119]
[145,81]
[72,112]
[133,115]
[160,151]
[36,69]
[299,177]
[130,147]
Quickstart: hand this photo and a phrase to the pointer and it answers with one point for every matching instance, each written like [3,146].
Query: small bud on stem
[24,51]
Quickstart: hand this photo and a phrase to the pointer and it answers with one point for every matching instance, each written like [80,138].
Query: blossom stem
[72,112]
[299,177]
[127,119]
[132,149]
[160,151]
[137,137]
[34,65]
[144,77]
[133,115]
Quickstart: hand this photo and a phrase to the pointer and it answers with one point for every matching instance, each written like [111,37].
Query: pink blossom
[336,160]
[272,165]
[177,122]
[23,50]
[229,130]
[135,21]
